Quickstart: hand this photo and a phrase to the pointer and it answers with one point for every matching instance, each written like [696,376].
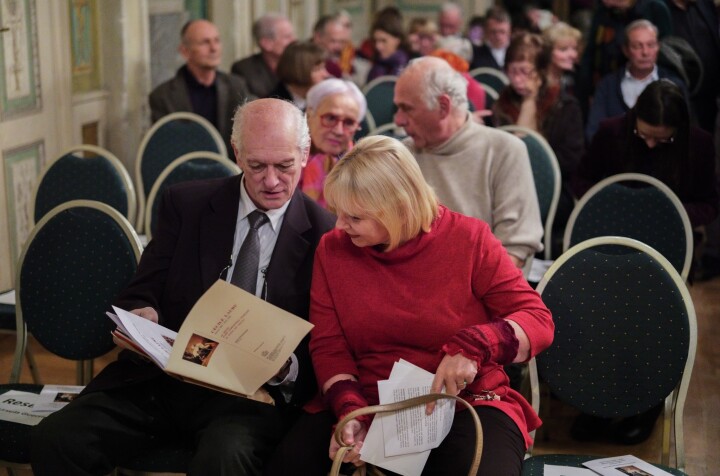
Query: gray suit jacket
[261,81]
[172,96]
[192,249]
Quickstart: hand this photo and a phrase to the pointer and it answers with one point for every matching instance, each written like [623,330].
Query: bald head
[200,45]
[271,142]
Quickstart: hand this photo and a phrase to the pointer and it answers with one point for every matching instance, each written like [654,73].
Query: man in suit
[617,92]
[132,405]
[272,33]
[198,86]
[497,29]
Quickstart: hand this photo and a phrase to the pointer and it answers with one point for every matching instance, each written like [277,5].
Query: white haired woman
[403,277]
[335,108]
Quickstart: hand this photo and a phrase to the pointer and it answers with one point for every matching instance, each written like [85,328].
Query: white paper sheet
[553,470]
[8,298]
[54,397]
[624,466]
[17,407]
[157,340]
[374,448]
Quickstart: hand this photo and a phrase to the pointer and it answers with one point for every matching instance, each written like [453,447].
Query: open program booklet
[614,466]
[232,341]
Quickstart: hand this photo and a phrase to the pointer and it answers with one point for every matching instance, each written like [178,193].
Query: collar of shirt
[632,87]
[268,236]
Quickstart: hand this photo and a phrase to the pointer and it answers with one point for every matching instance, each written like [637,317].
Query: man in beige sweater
[475,170]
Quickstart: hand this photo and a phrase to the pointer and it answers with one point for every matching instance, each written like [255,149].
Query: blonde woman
[403,277]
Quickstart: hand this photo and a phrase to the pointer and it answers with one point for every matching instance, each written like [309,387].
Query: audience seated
[564,42]
[532,101]
[132,405]
[491,54]
[618,91]
[476,170]
[335,108]
[272,33]
[301,66]
[391,50]
[199,86]
[603,53]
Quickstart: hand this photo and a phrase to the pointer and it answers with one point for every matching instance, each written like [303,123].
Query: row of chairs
[625,336]
[651,213]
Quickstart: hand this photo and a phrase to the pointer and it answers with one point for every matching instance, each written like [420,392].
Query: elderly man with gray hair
[617,92]
[475,170]
[255,230]
[272,33]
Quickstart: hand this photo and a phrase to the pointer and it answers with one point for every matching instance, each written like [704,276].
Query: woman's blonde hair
[380,179]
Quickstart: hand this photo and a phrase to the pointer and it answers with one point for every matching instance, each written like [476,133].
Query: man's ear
[265,44]
[444,106]
[183,50]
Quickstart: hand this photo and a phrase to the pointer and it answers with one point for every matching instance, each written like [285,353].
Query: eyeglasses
[331,120]
[659,140]
[520,71]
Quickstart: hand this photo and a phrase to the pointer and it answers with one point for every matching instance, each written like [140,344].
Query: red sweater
[372,308]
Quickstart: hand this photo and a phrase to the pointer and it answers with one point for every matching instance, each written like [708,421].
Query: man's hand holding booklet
[232,341]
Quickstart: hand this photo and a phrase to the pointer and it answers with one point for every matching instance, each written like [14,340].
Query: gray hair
[332,86]
[451,7]
[264,27]
[301,127]
[636,25]
[442,80]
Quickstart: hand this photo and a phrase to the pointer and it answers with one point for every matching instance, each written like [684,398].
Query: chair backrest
[192,166]
[367,125]
[625,333]
[85,172]
[491,95]
[492,77]
[77,258]
[546,175]
[169,138]
[652,214]
[379,95]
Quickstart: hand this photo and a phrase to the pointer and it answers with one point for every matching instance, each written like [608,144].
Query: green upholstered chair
[492,77]
[491,95]
[76,260]
[379,95]
[625,338]
[85,172]
[191,166]
[546,175]
[367,125]
[169,138]
[637,206]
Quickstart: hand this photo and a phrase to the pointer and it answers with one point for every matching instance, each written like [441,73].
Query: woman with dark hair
[301,66]
[391,50]
[655,138]
[532,101]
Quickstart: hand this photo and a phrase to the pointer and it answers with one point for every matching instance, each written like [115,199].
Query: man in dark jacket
[198,86]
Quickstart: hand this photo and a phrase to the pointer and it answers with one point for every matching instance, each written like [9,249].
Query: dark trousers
[305,449]
[98,431]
